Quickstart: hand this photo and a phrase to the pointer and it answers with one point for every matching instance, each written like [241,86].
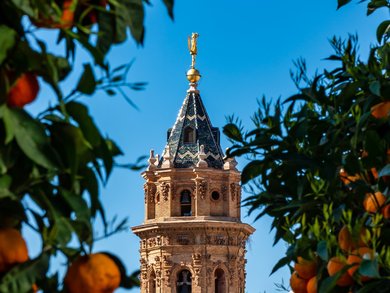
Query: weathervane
[193,74]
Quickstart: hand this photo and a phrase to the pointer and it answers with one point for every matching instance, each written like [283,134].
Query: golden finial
[193,74]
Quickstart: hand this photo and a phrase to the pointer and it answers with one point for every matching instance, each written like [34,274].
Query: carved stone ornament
[233,190]
[146,193]
[165,190]
[197,275]
[152,192]
[202,189]
[197,259]
[224,191]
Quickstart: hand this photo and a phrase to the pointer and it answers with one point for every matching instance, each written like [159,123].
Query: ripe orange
[373,202]
[347,179]
[13,249]
[306,269]
[94,273]
[335,265]
[386,211]
[346,241]
[381,110]
[24,91]
[356,257]
[298,285]
[64,22]
[312,285]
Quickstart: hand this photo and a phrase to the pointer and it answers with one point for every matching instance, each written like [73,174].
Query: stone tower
[192,238]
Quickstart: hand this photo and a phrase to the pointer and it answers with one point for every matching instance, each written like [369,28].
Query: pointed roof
[191,131]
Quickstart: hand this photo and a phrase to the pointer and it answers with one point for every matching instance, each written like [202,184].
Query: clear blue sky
[246,49]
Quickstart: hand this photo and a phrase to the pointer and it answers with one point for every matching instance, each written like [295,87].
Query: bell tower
[192,237]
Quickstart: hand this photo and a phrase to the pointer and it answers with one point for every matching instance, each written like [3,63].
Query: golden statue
[193,74]
[192,46]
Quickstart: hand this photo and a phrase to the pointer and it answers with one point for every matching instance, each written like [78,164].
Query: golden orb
[193,75]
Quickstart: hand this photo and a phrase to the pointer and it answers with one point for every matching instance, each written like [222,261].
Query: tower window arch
[184,282]
[219,281]
[189,135]
[185,203]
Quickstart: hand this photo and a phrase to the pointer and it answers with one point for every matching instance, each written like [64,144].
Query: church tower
[192,238]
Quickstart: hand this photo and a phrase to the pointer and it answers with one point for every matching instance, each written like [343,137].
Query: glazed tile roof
[191,130]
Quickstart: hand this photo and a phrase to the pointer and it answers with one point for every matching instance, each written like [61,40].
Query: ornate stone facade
[192,239]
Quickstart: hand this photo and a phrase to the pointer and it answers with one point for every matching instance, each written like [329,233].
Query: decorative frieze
[165,190]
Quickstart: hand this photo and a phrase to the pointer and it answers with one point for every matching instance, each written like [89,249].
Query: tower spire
[193,74]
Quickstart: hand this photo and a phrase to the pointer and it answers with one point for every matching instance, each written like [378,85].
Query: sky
[245,50]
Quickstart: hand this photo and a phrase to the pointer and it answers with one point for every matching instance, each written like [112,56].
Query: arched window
[183,283]
[185,203]
[189,135]
[152,283]
[220,281]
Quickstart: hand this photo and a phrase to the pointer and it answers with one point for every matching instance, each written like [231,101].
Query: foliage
[52,165]
[298,148]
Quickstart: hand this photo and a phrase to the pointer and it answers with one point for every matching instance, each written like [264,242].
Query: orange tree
[52,164]
[319,167]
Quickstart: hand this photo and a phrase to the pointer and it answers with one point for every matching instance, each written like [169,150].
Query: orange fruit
[356,257]
[335,265]
[93,273]
[381,110]
[306,269]
[312,285]
[65,21]
[346,241]
[298,285]
[346,178]
[386,211]
[24,90]
[13,249]
[374,173]
[373,202]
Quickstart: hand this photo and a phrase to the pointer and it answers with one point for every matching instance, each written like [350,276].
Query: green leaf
[281,263]
[369,268]
[31,138]
[61,232]
[79,112]
[87,82]
[233,132]
[77,204]
[70,144]
[135,19]
[251,170]
[7,41]
[169,5]
[375,88]
[342,3]
[383,31]
[380,286]
[385,171]
[21,277]
[322,250]
[106,32]
[9,131]
[24,6]
[121,19]
[83,230]
[90,182]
